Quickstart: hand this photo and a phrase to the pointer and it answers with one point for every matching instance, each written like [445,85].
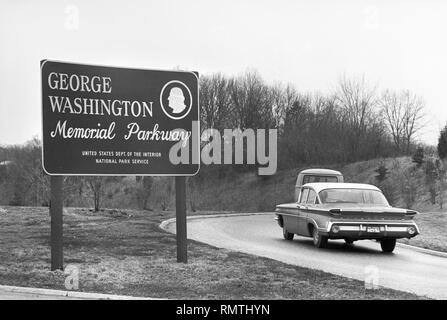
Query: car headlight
[335,229]
[411,230]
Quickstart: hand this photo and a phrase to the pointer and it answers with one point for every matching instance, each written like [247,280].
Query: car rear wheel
[320,241]
[287,235]
[388,245]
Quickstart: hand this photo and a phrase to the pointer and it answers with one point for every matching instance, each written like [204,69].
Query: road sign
[117,121]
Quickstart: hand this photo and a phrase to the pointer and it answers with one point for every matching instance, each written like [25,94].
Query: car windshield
[358,196]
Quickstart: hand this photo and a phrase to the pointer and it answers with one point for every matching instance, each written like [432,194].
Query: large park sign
[117,121]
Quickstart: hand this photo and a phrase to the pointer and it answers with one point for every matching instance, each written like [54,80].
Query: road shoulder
[51,294]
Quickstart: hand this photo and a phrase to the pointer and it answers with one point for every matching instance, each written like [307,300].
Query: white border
[163,107]
[42,63]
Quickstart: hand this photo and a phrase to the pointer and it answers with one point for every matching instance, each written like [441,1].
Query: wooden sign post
[180,219]
[56,216]
[111,121]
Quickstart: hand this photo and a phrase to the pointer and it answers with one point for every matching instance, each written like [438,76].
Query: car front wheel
[287,235]
[320,241]
[388,245]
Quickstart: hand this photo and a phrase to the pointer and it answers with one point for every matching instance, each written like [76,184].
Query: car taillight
[411,230]
[335,229]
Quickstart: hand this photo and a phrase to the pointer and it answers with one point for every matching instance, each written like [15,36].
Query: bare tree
[33,183]
[96,185]
[413,115]
[357,100]
[283,99]
[403,113]
[144,192]
[214,101]
[252,102]
[392,109]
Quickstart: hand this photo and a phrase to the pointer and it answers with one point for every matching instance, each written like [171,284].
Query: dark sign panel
[116,121]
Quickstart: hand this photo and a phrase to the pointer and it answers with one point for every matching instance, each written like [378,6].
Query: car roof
[319,186]
[320,171]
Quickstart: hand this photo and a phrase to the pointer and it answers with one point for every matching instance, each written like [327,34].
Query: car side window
[304,194]
[312,196]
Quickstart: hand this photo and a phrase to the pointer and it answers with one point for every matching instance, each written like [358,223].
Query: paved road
[405,269]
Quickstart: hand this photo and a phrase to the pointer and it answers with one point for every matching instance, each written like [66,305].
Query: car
[315,175]
[349,211]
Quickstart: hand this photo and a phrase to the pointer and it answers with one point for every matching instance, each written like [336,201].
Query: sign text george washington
[116,121]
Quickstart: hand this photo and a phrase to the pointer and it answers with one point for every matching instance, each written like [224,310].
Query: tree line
[356,121]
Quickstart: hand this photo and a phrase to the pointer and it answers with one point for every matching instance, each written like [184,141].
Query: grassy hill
[249,192]
[405,186]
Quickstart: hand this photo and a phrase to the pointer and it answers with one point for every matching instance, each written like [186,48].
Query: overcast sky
[395,44]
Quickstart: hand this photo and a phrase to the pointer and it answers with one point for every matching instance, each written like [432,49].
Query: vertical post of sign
[180,220]
[56,238]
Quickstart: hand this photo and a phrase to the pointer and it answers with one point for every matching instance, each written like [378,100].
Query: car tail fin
[411,213]
[335,212]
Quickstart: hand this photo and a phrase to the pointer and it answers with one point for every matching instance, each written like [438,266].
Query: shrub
[418,157]
[382,173]
[431,177]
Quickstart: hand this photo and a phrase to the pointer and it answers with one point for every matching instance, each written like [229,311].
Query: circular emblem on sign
[175,99]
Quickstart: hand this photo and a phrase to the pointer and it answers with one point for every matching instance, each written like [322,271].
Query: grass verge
[433,235]
[124,252]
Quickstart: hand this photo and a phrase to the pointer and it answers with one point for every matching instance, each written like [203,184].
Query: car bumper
[371,230]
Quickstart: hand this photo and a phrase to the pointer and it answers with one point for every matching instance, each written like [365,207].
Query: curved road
[405,269]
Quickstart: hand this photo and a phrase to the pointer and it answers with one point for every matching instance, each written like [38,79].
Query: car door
[302,212]
[311,203]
